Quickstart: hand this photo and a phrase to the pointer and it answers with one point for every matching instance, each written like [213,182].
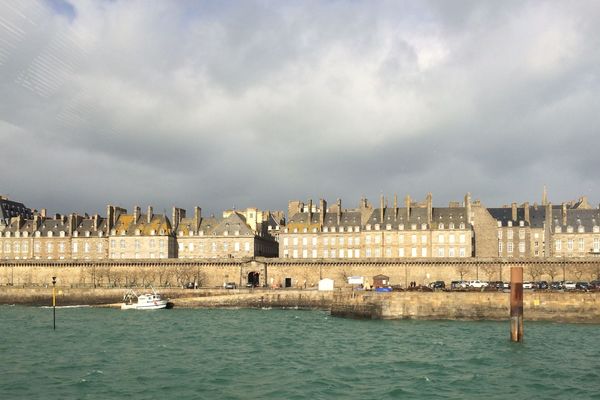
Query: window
[342,241]
[122,243]
[401,252]
[295,253]
[413,239]
[461,252]
[326,241]
[521,234]
[451,239]
[75,247]
[368,253]
[357,240]
[440,226]
[451,225]
[441,239]
[236,246]
[388,239]
[246,246]
[350,240]
[509,247]
[413,252]
[314,241]
[401,238]
[388,252]
[356,253]
[285,241]
[304,253]
[423,239]
[137,244]
[86,247]
[509,234]
[451,252]
[423,252]
[304,242]
[314,253]
[557,245]
[377,239]
[295,241]
[596,245]
[499,248]
[570,244]
[341,253]
[461,238]
[581,245]
[377,252]
[440,252]
[521,247]
[499,233]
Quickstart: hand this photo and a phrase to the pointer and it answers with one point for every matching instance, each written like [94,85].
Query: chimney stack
[197,217]
[381,209]
[564,214]
[429,209]
[514,211]
[110,217]
[136,214]
[407,205]
[310,211]
[339,211]
[526,209]
[43,213]
[149,214]
[395,206]
[323,207]
[96,221]
[547,229]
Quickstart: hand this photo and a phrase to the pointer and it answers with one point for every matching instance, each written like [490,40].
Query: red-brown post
[516,304]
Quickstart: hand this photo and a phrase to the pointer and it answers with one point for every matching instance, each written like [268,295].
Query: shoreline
[559,307]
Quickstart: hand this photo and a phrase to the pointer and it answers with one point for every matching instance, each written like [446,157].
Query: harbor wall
[538,306]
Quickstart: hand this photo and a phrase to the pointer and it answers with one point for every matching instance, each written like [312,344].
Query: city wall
[277,272]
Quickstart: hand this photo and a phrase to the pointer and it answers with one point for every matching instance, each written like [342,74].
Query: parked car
[527,285]
[556,285]
[230,285]
[438,285]
[506,285]
[569,285]
[457,285]
[582,286]
[191,285]
[477,284]
[595,284]
[497,284]
[541,285]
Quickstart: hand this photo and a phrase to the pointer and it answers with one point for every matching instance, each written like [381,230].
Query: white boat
[147,301]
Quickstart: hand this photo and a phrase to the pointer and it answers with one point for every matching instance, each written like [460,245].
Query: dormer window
[191,233]
[305,230]
[237,233]
[49,233]
[201,233]
[62,233]
[295,230]
[7,234]
[368,227]
[401,227]
[558,229]
[357,229]
[137,232]
[388,227]
[510,223]
[580,229]
[100,233]
[413,227]
[325,229]
[341,229]
[521,223]
[451,225]
[596,229]
[87,233]
[162,231]
[424,227]
[462,225]
[333,229]
[376,227]
[441,226]
[37,233]
[225,233]
[113,232]
[75,233]
[499,224]
[569,229]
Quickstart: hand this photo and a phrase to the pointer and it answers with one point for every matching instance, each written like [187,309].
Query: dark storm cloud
[256,103]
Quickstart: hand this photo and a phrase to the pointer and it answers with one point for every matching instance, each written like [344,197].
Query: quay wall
[277,272]
[538,306]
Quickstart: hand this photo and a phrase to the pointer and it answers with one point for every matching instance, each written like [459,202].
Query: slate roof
[9,209]
[158,223]
[87,225]
[578,217]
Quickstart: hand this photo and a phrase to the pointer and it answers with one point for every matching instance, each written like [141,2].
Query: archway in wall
[253,279]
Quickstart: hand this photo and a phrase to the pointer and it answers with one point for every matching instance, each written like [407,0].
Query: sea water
[286,354]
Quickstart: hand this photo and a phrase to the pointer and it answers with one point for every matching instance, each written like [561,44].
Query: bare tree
[462,270]
[489,270]
[552,270]
[577,270]
[535,271]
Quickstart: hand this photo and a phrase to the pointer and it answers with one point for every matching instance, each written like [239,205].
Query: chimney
[468,207]
[547,229]
[526,209]
[310,211]
[429,209]
[339,211]
[43,213]
[36,222]
[381,209]
[149,214]
[136,214]
[564,214]
[323,207]
[72,225]
[177,215]
[197,217]
[407,205]
[395,206]
[514,211]
[96,220]
[110,217]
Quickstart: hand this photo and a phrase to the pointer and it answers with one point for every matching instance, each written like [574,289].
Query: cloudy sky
[244,103]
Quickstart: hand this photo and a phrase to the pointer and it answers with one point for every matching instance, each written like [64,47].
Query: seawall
[538,306]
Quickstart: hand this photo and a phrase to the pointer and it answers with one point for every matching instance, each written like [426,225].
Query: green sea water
[286,354]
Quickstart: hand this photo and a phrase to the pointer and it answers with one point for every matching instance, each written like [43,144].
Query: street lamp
[54,302]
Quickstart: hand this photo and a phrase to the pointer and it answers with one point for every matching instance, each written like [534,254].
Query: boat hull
[159,305]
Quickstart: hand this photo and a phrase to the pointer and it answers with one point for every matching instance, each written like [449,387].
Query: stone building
[10,209]
[140,235]
[89,237]
[237,234]
[415,230]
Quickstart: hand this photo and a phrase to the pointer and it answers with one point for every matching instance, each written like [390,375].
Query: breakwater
[538,306]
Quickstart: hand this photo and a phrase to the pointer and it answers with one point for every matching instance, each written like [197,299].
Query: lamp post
[54,302]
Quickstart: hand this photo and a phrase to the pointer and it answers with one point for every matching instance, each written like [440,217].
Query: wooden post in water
[516,304]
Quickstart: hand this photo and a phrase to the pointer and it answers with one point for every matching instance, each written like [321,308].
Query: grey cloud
[256,103]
